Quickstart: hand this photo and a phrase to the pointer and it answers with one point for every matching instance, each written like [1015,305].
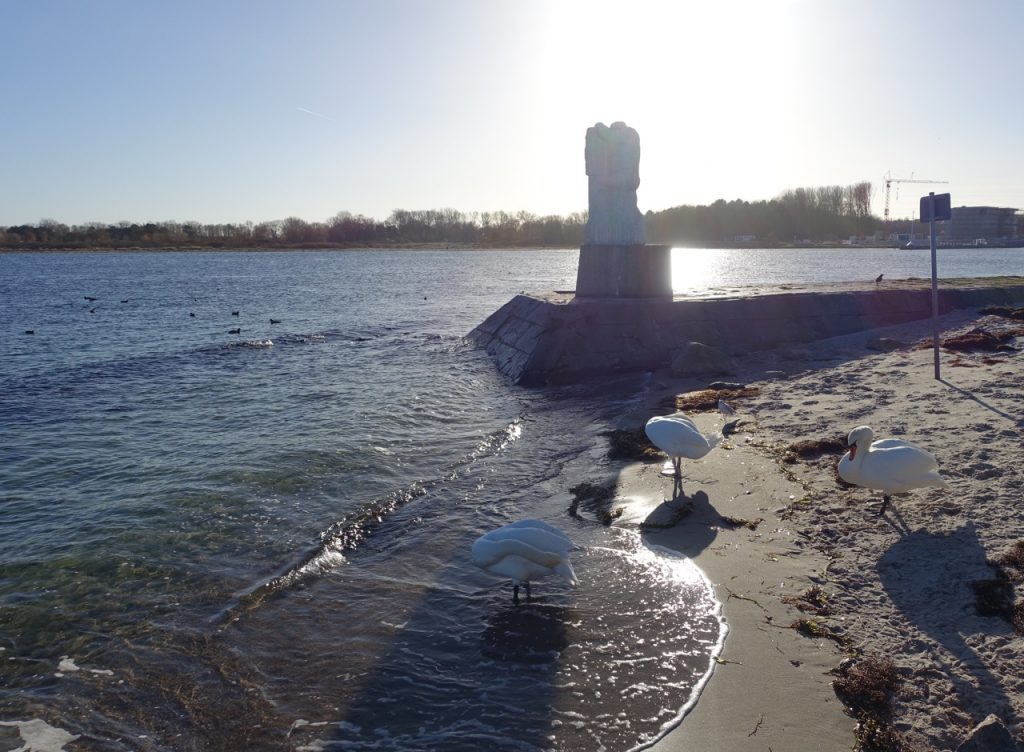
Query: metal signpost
[935,208]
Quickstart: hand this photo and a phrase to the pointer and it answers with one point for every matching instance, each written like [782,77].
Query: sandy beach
[818,577]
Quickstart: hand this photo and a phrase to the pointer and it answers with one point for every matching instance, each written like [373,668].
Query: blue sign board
[936,206]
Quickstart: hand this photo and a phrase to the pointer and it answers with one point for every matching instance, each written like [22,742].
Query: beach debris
[1004,311]
[675,513]
[631,444]
[813,628]
[814,600]
[597,498]
[706,400]
[813,449]
[757,725]
[977,339]
[741,522]
[867,688]
[996,596]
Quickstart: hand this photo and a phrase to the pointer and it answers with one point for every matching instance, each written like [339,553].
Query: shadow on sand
[927,575]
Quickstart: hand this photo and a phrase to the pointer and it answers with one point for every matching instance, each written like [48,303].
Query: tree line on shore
[823,214]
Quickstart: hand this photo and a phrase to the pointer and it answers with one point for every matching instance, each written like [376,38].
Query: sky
[222,111]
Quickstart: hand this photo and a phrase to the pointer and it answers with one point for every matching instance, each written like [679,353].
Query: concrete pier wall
[542,339]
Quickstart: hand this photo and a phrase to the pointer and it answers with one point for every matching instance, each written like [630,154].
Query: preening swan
[892,466]
[678,437]
[523,551]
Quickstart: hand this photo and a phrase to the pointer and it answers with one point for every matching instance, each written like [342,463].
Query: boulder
[989,736]
[696,359]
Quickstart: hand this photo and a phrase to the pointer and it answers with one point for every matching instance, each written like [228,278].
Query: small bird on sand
[523,551]
[878,279]
[234,331]
[892,466]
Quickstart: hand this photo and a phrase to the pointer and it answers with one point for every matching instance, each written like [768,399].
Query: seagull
[725,408]
[678,437]
[878,279]
[892,466]
[523,551]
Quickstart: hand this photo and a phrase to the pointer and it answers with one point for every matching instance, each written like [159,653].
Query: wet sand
[897,585]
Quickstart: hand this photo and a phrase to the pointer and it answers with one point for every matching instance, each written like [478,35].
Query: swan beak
[853,451]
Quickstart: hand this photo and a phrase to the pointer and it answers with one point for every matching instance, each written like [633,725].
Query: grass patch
[866,688]
[706,400]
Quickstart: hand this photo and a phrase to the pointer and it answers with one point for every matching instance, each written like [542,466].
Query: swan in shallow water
[678,437]
[523,551]
[892,466]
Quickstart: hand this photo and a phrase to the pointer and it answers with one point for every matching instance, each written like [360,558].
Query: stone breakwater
[559,338]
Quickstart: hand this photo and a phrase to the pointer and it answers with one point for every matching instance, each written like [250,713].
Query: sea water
[260,539]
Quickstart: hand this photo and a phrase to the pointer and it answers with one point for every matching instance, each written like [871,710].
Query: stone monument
[614,259]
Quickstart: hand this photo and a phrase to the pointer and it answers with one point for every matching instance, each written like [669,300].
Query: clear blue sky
[227,111]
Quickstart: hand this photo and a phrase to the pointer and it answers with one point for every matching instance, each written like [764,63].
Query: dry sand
[898,585]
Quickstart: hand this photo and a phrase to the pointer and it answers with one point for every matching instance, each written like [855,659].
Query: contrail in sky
[317,114]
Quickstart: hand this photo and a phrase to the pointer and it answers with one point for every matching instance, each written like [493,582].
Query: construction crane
[890,180]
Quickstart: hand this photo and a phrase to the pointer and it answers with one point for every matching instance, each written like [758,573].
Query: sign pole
[935,287]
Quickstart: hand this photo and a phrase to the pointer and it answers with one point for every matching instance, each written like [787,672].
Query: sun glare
[704,84]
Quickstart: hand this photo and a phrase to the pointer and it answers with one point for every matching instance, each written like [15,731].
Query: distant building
[988,223]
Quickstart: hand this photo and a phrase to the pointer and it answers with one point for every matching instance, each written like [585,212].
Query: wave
[347,534]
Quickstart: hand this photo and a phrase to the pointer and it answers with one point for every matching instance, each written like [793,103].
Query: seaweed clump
[996,596]
[866,688]
[706,400]
[812,628]
[631,444]
[596,498]
[814,600]
[812,449]
[977,340]
[1005,312]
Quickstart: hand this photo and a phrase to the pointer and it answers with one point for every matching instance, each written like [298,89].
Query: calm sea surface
[259,540]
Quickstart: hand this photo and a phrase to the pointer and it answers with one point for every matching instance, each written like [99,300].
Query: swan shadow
[689,521]
[927,576]
[895,520]
[533,633]
[983,403]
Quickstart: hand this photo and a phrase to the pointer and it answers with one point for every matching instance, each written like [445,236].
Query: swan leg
[885,505]
[677,465]
[515,594]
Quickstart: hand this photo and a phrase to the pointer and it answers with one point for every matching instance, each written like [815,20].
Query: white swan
[523,551]
[678,437]
[892,466]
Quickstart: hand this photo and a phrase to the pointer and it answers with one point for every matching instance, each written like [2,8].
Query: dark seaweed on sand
[632,444]
[996,596]
[706,400]
[867,688]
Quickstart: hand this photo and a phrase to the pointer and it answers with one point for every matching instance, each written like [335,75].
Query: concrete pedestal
[624,271]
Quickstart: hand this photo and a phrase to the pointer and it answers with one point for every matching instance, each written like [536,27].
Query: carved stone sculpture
[613,166]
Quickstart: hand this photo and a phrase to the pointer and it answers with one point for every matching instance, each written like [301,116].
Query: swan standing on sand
[678,437]
[892,466]
[524,551]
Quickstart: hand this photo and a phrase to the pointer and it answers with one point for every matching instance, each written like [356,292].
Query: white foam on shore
[39,736]
[716,651]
